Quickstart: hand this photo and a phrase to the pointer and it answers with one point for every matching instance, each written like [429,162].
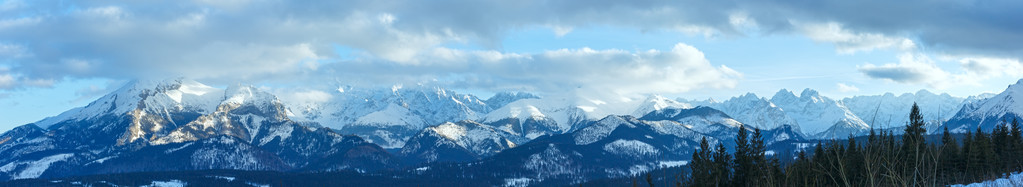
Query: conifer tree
[999,142]
[913,145]
[853,162]
[759,159]
[722,163]
[949,158]
[1016,146]
[702,166]
[743,158]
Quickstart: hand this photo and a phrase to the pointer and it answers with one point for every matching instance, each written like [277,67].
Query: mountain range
[184,125]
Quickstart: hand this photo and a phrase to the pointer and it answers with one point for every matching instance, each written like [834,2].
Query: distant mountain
[455,142]
[141,120]
[819,116]
[888,111]
[754,111]
[503,98]
[657,102]
[989,112]
[531,118]
[389,116]
[809,113]
[610,147]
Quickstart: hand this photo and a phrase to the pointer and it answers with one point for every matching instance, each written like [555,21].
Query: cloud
[911,68]
[251,41]
[847,42]
[842,87]
[917,68]
[301,97]
[7,81]
[585,70]
[93,91]
[991,67]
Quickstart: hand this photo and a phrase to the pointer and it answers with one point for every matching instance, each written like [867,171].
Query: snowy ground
[1016,179]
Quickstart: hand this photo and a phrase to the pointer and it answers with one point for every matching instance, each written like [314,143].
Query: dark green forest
[883,159]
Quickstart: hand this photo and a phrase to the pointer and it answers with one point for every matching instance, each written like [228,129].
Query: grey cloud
[897,74]
[228,41]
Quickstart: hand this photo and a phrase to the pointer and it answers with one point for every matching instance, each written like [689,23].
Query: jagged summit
[748,96]
[809,93]
[503,98]
[168,95]
[658,102]
[986,113]
[784,94]
[816,114]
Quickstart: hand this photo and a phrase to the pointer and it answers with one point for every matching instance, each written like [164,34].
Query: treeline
[883,160]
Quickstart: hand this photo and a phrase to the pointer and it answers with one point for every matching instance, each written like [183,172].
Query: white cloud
[991,67]
[228,41]
[7,81]
[11,51]
[601,73]
[842,87]
[10,5]
[302,97]
[917,68]
[848,42]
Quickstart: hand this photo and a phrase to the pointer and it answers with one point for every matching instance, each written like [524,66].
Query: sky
[56,55]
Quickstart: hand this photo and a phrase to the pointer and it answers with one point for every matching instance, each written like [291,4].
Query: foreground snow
[1016,179]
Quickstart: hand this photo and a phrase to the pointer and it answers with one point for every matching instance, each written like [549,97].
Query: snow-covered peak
[657,102]
[521,109]
[784,95]
[747,97]
[601,129]
[563,113]
[247,94]
[756,112]
[435,142]
[392,115]
[809,93]
[156,96]
[815,113]
[924,92]
[432,104]
[888,110]
[503,98]
[998,105]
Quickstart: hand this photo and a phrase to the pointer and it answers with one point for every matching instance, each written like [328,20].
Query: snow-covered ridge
[888,110]
[554,116]
[815,113]
[986,113]
[754,111]
[657,102]
[172,95]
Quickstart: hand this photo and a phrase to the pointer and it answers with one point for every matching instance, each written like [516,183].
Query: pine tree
[1016,146]
[759,159]
[968,158]
[743,158]
[979,162]
[702,166]
[722,163]
[853,162]
[949,158]
[999,142]
[913,144]
[988,156]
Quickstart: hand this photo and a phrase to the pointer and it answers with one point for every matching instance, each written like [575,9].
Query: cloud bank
[43,41]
